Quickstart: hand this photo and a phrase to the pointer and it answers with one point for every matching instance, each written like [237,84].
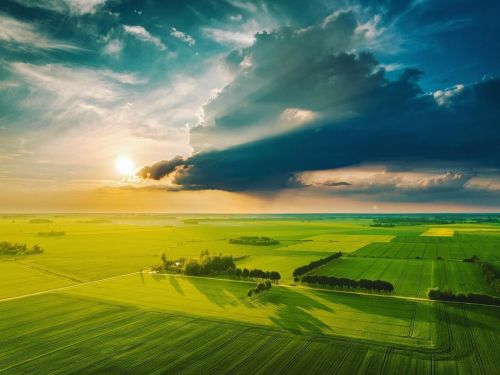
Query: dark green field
[82,306]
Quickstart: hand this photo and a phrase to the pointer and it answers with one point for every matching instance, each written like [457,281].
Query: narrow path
[65,287]
[49,272]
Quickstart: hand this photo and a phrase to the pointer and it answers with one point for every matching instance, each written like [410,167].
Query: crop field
[458,247]
[411,277]
[438,232]
[91,304]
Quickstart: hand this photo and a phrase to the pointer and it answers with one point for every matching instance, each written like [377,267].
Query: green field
[83,306]
[411,277]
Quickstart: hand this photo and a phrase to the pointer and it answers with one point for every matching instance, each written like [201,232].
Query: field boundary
[62,288]
[49,272]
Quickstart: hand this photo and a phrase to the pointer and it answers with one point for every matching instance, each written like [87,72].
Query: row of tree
[254,240]
[255,274]
[261,287]
[9,248]
[472,259]
[302,270]
[343,282]
[448,295]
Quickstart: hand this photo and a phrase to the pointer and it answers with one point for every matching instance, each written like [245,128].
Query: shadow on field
[393,308]
[175,284]
[400,309]
[294,311]
[457,317]
[218,295]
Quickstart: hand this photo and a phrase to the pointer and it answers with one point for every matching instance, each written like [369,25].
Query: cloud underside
[306,100]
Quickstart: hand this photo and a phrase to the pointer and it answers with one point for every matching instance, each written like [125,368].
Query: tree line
[261,287]
[448,295]
[8,248]
[256,273]
[309,267]
[346,283]
[254,240]
[52,233]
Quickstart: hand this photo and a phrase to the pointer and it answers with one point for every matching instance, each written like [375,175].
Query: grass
[145,323]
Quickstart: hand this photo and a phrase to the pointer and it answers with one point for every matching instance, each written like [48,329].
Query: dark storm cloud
[304,69]
[160,169]
[361,116]
[407,128]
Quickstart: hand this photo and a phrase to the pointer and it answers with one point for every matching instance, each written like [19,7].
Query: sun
[124,165]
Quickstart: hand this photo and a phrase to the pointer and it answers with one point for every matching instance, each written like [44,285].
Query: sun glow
[124,165]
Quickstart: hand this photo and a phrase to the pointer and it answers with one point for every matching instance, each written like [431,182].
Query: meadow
[89,303]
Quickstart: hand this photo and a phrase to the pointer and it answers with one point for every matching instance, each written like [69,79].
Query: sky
[249,106]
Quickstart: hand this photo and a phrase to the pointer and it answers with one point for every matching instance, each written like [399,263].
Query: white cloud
[392,67]
[443,97]
[236,17]
[244,34]
[292,117]
[84,118]
[182,36]
[378,179]
[73,7]
[25,36]
[142,34]
[67,82]
[113,47]
[230,37]
[371,29]
[244,5]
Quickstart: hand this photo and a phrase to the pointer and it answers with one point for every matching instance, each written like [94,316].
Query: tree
[164,259]
[193,268]
[36,249]
[308,268]
[268,285]
[274,276]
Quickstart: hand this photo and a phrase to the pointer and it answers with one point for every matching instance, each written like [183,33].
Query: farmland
[89,303]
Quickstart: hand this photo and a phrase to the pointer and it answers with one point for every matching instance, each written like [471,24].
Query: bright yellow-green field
[85,306]
[289,308]
[438,232]
[93,250]
[17,279]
